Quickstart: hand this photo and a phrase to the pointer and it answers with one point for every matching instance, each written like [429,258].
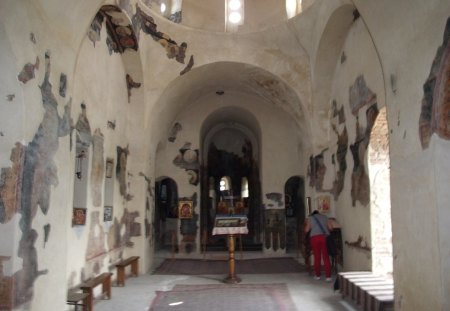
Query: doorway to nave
[294,200]
[166,216]
[231,184]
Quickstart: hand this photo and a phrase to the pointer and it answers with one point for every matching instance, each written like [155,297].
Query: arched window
[244,187]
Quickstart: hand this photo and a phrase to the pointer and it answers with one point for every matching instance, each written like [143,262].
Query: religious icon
[108,213]
[79,216]
[323,204]
[185,210]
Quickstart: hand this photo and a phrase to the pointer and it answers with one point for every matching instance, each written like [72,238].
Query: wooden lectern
[230,225]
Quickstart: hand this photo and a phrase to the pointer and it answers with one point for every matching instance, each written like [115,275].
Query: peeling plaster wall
[354,220]
[101,85]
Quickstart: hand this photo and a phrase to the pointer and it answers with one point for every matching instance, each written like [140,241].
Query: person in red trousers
[319,227]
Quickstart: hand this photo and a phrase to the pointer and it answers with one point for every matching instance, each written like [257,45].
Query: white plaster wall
[361,59]
[100,85]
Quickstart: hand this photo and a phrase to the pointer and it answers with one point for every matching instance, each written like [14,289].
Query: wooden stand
[231,278]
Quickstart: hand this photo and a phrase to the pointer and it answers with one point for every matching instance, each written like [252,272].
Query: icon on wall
[79,216]
[323,204]
[185,210]
[107,213]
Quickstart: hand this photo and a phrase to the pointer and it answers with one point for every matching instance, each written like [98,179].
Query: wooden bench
[121,265]
[369,291]
[88,287]
[77,299]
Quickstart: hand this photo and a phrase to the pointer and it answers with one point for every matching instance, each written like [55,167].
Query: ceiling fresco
[120,33]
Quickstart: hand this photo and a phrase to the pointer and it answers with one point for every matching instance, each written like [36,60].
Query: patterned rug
[245,266]
[218,297]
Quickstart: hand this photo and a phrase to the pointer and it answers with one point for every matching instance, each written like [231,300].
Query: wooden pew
[121,265]
[77,299]
[88,287]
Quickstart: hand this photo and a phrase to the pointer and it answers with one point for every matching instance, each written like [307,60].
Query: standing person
[320,227]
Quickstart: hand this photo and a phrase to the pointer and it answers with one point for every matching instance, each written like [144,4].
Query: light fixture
[79,164]
[163,7]
[234,17]
[234,4]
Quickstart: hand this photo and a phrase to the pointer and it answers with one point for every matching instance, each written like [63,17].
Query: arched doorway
[294,194]
[166,203]
[230,175]
[380,208]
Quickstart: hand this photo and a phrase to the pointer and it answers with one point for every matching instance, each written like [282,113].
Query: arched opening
[230,177]
[380,207]
[294,194]
[166,213]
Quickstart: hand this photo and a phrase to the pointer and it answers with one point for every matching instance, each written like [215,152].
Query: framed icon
[185,210]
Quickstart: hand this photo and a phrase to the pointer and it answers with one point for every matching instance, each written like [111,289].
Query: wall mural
[120,34]
[189,227]
[275,229]
[121,171]
[148,211]
[173,51]
[316,171]
[341,152]
[435,115]
[187,159]
[174,132]
[360,96]
[97,167]
[26,185]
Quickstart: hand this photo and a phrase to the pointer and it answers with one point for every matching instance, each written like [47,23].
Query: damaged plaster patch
[27,72]
[360,95]
[174,132]
[121,171]
[188,66]
[146,23]
[188,160]
[39,174]
[62,85]
[10,97]
[130,85]
[98,167]
[435,115]
[360,180]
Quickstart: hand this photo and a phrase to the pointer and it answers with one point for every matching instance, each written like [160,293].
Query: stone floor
[306,292]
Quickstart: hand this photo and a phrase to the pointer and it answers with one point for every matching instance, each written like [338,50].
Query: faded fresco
[188,160]
[97,167]
[435,115]
[120,34]
[121,171]
[26,185]
[316,171]
[339,158]
[174,132]
[150,196]
[275,229]
[361,96]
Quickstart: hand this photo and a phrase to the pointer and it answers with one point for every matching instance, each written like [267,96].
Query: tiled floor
[308,294]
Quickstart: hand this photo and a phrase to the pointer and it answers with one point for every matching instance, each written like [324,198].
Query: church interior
[128,126]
